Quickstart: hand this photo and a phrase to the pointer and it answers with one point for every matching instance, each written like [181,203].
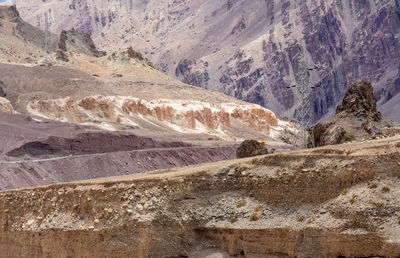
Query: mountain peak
[359,99]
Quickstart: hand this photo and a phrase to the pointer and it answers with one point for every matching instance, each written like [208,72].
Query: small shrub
[385,189]
[377,204]
[398,219]
[300,218]
[258,208]
[353,199]
[253,217]
[254,161]
[234,218]
[373,186]
[310,220]
[263,144]
[344,192]
[349,137]
[240,204]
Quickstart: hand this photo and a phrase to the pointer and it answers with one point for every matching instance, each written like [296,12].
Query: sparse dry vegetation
[344,192]
[373,185]
[254,217]
[353,199]
[234,218]
[300,218]
[377,204]
[241,204]
[258,208]
[385,189]
[349,137]
[254,161]
[310,220]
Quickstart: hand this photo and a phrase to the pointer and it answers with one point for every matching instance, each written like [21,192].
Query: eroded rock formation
[359,101]
[6,107]
[180,115]
[356,117]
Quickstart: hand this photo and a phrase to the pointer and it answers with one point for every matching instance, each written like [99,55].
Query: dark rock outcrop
[359,101]
[356,117]
[61,55]
[134,54]
[251,148]
[194,73]
[63,38]
[88,39]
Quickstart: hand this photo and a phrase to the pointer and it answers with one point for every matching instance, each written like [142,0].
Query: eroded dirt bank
[327,202]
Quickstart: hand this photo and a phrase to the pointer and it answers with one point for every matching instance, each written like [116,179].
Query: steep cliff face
[185,116]
[252,50]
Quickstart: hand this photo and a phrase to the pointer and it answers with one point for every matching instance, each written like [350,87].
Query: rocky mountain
[85,114]
[120,91]
[251,50]
[356,117]
[23,43]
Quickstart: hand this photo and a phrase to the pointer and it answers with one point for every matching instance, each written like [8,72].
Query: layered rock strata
[180,115]
[340,201]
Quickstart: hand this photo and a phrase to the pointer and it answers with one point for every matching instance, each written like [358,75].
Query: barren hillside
[121,91]
[251,50]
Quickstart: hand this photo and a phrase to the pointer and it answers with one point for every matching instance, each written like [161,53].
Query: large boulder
[356,117]
[251,148]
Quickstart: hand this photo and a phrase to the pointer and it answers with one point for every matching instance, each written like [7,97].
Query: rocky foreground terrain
[336,201]
[251,50]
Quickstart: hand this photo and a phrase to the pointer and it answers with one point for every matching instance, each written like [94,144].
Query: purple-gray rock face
[253,50]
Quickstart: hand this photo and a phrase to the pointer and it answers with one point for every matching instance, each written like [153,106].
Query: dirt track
[34,153]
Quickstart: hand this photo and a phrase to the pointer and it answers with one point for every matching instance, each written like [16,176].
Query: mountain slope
[128,116]
[251,50]
[122,91]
